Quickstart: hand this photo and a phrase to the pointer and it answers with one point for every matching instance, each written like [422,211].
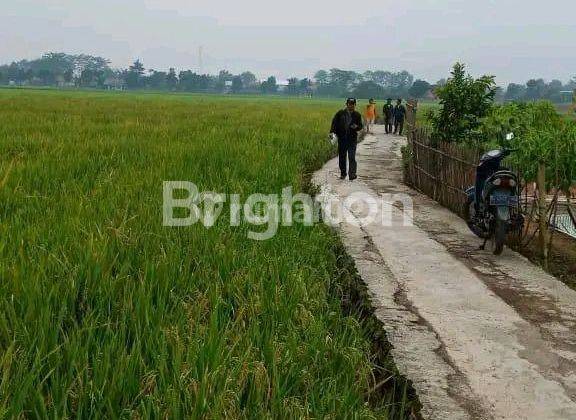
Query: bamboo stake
[542,212]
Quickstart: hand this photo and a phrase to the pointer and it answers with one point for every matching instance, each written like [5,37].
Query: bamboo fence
[444,171]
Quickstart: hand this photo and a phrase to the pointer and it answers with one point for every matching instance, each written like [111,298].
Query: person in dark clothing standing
[345,125]
[399,116]
[388,112]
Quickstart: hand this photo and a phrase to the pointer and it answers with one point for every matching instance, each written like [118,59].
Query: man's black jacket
[341,125]
[399,112]
[388,111]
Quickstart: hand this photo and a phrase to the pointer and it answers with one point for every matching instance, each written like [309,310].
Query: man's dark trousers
[389,126]
[399,127]
[347,150]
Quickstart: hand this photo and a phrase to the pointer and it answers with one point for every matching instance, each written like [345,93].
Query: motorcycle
[498,211]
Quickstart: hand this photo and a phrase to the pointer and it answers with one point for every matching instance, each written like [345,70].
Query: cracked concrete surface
[480,337]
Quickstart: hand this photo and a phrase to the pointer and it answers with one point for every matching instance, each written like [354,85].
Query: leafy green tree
[157,80]
[249,80]
[46,77]
[464,102]
[293,84]
[499,94]
[86,78]
[515,92]
[270,85]
[305,86]
[56,63]
[135,74]
[171,79]
[368,89]
[400,83]
[420,89]
[343,80]
[69,75]
[220,82]
[237,84]
[535,89]
[552,91]
[225,76]
[321,77]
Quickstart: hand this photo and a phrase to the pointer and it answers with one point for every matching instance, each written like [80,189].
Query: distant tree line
[538,89]
[86,71]
[377,84]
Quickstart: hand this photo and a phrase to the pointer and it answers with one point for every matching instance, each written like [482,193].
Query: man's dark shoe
[342,176]
[353,177]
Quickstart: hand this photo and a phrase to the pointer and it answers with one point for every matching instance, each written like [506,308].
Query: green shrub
[464,101]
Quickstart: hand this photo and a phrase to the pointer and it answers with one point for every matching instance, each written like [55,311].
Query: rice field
[105,313]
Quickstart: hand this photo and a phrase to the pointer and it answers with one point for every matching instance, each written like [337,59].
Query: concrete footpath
[480,337]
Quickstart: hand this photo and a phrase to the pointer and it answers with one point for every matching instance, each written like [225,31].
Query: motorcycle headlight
[497,182]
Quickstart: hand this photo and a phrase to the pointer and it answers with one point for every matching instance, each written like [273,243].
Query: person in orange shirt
[370,114]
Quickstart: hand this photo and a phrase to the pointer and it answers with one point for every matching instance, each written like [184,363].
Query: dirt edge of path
[357,303]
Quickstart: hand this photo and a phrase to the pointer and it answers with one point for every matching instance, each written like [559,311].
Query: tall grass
[105,313]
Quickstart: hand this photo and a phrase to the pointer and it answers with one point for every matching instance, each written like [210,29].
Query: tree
[157,80]
[343,80]
[55,63]
[305,86]
[515,92]
[552,91]
[225,76]
[134,75]
[249,80]
[193,82]
[46,77]
[270,85]
[237,84]
[321,77]
[171,79]
[420,89]
[535,89]
[399,83]
[368,89]
[464,102]
[499,94]
[293,83]
[69,75]
[86,78]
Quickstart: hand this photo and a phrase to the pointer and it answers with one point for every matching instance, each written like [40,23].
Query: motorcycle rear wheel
[500,231]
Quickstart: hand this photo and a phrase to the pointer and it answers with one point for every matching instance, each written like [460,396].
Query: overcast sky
[512,39]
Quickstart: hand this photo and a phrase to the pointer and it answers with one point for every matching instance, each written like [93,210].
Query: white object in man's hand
[333,138]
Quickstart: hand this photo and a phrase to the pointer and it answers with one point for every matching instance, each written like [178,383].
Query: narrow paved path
[481,337]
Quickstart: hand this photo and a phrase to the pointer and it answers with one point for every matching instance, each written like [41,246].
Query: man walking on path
[399,116]
[388,112]
[345,125]
[370,114]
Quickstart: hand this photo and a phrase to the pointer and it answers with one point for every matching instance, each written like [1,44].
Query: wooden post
[543,212]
